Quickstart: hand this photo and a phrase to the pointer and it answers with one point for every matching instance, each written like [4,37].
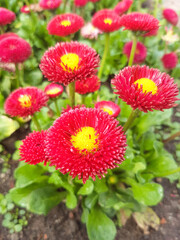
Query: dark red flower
[170,60]
[110,107]
[106,20]
[146,88]
[14,49]
[85,143]
[32,150]
[53,90]
[8,34]
[6,16]
[68,62]
[25,101]
[65,24]
[123,6]
[50,4]
[141,23]
[140,54]
[80,3]
[87,86]
[170,15]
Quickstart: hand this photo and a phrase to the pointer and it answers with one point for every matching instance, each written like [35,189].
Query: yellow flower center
[147,85]
[108,110]
[108,21]
[71,60]
[65,23]
[25,101]
[53,91]
[86,138]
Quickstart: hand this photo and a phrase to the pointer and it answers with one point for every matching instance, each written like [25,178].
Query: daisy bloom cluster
[25,101]
[65,24]
[53,90]
[87,86]
[106,20]
[169,60]
[89,31]
[141,23]
[32,150]
[171,16]
[85,143]
[145,88]
[110,107]
[140,53]
[14,50]
[80,3]
[6,16]
[50,4]
[123,6]
[68,62]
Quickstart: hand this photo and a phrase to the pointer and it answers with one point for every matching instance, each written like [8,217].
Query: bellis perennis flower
[25,101]
[68,62]
[110,107]
[106,20]
[140,53]
[53,90]
[140,23]
[87,86]
[14,50]
[32,148]
[85,143]
[80,3]
[123,6]
[171,16]
[89,31]
[169,60]
[6,16]
[145,88]
[50,4]
[65,24]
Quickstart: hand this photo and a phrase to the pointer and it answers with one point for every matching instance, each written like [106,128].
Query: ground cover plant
[94,83]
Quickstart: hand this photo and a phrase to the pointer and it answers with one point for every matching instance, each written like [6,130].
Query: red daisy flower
[68,108]
[85,142]
[170,15]
[106,20]
[32,150]
[80,3]
[87,86]
[146,88]
[141,23]
[65,24]
[123,6]
[89,31]
[170,60]
[8,34]
[25,9]
[110,107]
[6,16]
[25,101]
[53,90]
[50,4]
[14,49]
[68,62]
[93,1]
[140,54]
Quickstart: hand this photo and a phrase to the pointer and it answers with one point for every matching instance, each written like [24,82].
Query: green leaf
[108,199]
[34,77]
[7,126]
[37,197]
[18,227]
[91,200]
[100,185]
[87,188]
[27,174]
[148,194]
[99,226]
[71,200]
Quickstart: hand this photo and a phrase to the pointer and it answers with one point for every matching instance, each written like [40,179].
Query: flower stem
[1,30]
[83,99]
[72,93]
[106,49]
[130,120]
[133,50]
[64,7]
[172,137]
[56,105]
[17,76]
[36,122]
[156,3]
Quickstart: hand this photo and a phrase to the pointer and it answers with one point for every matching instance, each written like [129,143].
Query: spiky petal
[87,86]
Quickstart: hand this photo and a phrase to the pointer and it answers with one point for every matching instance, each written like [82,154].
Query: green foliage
[7,126]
